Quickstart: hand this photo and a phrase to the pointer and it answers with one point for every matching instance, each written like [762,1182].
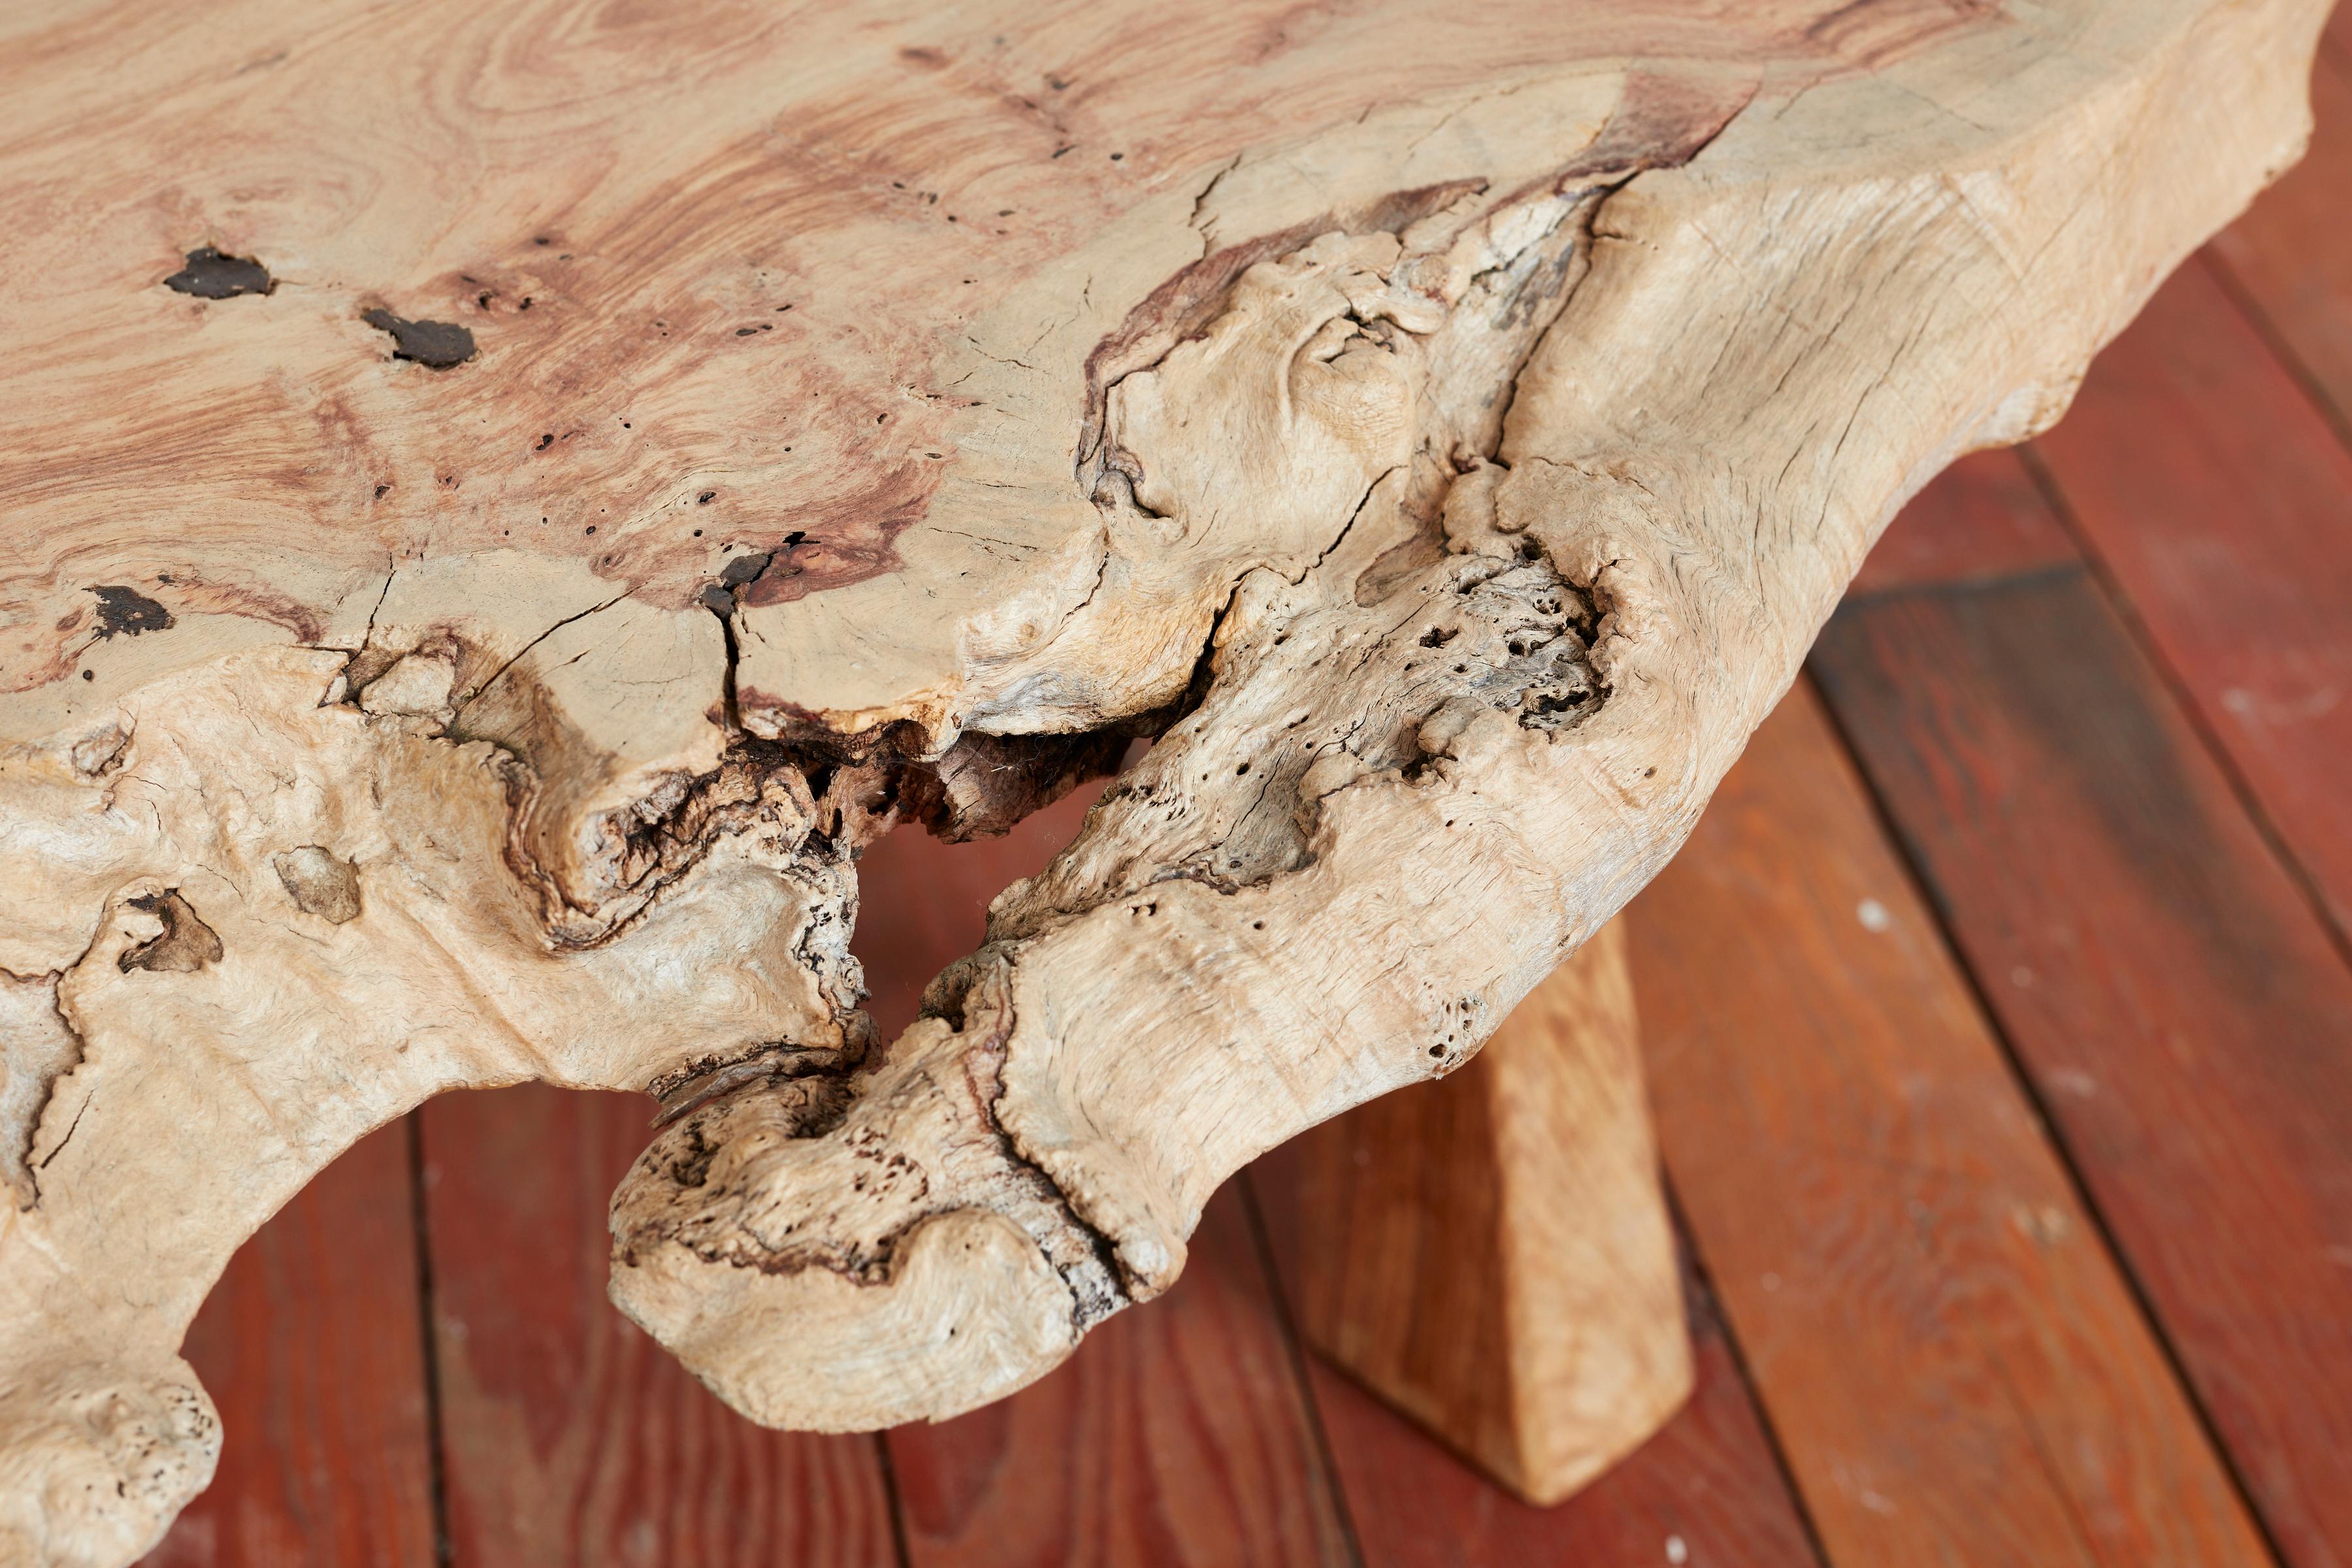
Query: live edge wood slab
[502,500]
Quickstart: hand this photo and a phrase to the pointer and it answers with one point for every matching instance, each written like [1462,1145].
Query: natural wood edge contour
[1552,483]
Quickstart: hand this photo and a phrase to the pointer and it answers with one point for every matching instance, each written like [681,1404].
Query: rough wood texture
[1492,1254]
[1180,1437]
[667,449]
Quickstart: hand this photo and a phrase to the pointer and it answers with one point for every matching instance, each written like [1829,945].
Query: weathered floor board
[2304,291]
[1179,1434]
[1949,1357]
[313,1343]
[571,1436]
[2176,1000]
[2218,501]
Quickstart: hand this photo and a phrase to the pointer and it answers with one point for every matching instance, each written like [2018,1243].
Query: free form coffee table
[502,504]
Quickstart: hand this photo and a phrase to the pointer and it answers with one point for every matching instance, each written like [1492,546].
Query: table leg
[1492,1254]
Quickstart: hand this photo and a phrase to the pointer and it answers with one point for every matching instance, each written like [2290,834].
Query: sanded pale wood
[1492,1254]
[505,500]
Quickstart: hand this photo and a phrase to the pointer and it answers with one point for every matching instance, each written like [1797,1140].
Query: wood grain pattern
[858,220]
[1706,1485]
[1951,1360]
[957,393]
[1178,1435]
[314,1341]
[571,1437]
[2179,1005]
[1492,1254]
[2185,421]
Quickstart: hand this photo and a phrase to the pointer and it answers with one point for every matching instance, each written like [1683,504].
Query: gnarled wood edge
[1395,810]
[1518,642]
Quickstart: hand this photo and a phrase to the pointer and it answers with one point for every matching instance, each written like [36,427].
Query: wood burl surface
[503,502]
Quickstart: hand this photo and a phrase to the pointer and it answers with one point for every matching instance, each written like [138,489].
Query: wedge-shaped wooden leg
[1491,1253]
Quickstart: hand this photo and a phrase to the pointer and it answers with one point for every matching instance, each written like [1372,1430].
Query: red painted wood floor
[2000,1026]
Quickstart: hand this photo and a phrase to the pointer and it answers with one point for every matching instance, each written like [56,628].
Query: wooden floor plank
[1949,1357]
[2179,1005]
[312,1347]
[1705,1490]
[1982,519]
[571,1436]
[2287,253]
[922,904]
[1178,1435]
[2220,501]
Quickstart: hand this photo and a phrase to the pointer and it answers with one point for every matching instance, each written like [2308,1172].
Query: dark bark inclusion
[435,345]
[210,275]
[127,611]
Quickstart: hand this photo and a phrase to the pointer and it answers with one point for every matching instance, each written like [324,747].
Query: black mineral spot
[380,489]
[89,675]
[544,443]
[706,498]
[128,610]
[744,569]
[435,345]
[209,275]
